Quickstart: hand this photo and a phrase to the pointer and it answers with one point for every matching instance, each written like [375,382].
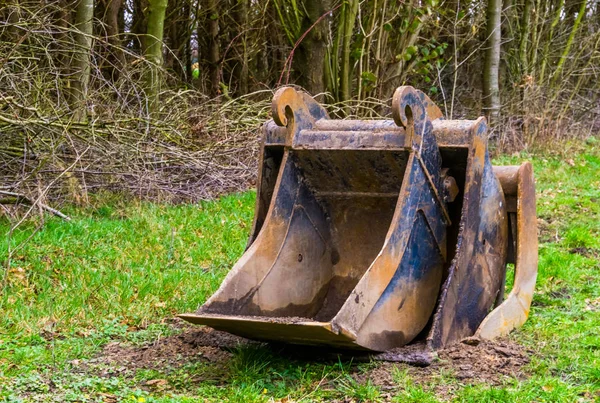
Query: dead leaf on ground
[157,383]
[108,398]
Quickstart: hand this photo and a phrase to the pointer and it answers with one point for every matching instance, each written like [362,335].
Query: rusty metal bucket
[375,234]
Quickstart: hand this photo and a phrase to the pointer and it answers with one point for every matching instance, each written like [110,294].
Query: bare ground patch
[191,345]
[487,362]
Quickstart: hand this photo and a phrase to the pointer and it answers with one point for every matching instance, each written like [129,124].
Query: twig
[17,198]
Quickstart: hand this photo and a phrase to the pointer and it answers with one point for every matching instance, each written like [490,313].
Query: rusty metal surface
[368,234]
[474,277]
[517,182]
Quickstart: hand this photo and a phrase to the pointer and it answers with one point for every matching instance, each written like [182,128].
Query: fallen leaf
[108,398]
[157,383]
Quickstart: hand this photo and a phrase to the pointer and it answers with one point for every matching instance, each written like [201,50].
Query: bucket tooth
[375,234]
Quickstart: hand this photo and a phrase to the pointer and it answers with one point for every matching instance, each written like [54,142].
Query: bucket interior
[327,223]
[357,192]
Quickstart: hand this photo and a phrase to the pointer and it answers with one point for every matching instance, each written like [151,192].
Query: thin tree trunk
[546,53]
[187,48]
[153,49]
[80,64]
[536,35]
[567,48]
[172,35]
[62,44]
[381,40]
[214,50]
[309,58]
[332,67]
[183,42]
[241,69]
[366,53]
[177,35]
[525,33]
[345,68]
[112,30]
[491,91]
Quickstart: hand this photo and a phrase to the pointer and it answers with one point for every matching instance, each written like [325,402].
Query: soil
[174,351]
[585,252]
[489,361]
[470,362]
[268,319]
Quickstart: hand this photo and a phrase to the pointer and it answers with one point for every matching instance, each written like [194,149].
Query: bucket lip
[308,332]
[204,318]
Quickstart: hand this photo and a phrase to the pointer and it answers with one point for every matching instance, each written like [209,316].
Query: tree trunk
[62,46]
[491,92]
[178,22]
[309,57]
[525,33]
[567,48]
[108,12]
[80,63]
[153,50]
[241,69]
[213,47]
[546,53]
[176,35]
[351,7]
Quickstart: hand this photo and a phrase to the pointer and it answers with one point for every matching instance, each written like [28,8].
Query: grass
[121,269]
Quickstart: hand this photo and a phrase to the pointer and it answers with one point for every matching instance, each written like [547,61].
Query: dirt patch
[488,362]
[173,351]
[561,293]
[547,230]
[470,362]
[585,252]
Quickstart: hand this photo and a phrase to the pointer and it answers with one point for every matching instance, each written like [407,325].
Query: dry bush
[190,148]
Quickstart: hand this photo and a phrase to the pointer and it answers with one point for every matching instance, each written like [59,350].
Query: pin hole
[409,115]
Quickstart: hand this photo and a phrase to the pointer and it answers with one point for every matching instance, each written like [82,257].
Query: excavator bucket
[376,234]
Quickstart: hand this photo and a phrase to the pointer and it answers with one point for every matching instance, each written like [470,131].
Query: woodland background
[162,99]
[113,111]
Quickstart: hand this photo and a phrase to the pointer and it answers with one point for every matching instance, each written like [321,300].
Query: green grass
[121,269]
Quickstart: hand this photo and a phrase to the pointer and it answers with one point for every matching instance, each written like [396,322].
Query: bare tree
[491,90]
[309,59]
[153,50]
[80,64]
[214,51]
